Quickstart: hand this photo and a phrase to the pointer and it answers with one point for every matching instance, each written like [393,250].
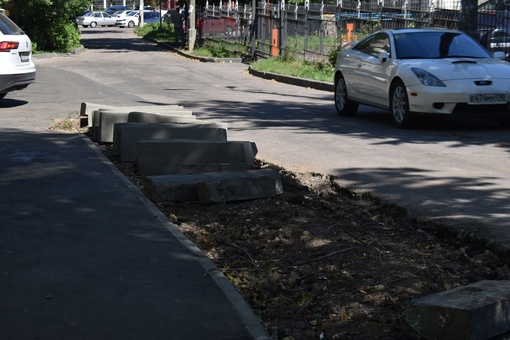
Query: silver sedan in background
[94,19]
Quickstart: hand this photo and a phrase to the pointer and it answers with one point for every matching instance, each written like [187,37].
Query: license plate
[25,57]
[487,98]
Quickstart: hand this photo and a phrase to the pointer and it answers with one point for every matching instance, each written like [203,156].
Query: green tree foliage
[49,23]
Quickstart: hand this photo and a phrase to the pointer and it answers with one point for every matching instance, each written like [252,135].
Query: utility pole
[160,18]
[469,17]
[192,32]
[140,12]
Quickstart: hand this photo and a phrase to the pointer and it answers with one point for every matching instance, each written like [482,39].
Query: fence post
[284,28]
[274,41]
[253,27]
[305,43]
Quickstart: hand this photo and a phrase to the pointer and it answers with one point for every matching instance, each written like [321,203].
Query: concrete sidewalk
[84,255]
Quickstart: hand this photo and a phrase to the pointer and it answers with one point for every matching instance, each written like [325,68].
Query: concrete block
[254,184]
[87,109]
[480,310]
[148,117]
[184,187]
[105,122]
[177,156]
[126,135]
[108,118]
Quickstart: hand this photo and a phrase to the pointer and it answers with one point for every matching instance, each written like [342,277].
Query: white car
[129,20]
[121,14]
[94,19]
[422,71]
[17,70]
[133,18]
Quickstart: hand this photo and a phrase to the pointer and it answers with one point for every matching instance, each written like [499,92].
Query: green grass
[295,68]
[313,42]
[212,49]
[152,30]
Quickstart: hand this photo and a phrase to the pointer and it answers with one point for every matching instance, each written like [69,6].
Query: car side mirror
[383,56]
[499,55]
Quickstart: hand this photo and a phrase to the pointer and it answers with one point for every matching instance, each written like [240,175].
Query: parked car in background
[112,9]
[150,16]
[493,13]
[17,70]
[94,19]
[208,25]
[495,40]
[133,18]
[120,14]
[422,71]
[493,21]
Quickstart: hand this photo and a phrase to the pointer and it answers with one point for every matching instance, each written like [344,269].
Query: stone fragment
[480,310]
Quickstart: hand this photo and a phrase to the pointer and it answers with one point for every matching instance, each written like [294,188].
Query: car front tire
[344,107]
[93,24]
[399,106]
[131,24]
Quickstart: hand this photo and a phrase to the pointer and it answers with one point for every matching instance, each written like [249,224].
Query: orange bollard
[274,42]
[350,28]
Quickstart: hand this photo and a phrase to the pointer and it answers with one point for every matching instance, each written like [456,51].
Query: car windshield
[431,45]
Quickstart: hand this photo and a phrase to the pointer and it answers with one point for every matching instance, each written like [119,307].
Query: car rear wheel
[93,24]
[344,107]
[131,24]
[399,106]
[228,31]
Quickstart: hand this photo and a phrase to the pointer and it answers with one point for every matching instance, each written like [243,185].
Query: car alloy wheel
[344,107]
[229,31]
[93,24]
[131,24]
[400,106]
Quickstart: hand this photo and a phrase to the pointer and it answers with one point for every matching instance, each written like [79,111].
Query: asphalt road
[452,170]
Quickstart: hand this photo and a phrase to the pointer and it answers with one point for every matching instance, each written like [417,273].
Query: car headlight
[427,78]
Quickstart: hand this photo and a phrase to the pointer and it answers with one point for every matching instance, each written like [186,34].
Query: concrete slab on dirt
[249,184]
[177,156]
[476,311]
[108,119]
[255,184]
[127,135]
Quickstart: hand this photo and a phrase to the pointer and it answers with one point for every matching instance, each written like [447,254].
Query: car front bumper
[454,100]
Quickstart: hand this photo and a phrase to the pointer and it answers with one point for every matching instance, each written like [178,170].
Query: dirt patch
[320,262]
[69,125]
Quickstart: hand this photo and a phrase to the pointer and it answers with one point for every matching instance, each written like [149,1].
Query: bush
[62,37]
[49,24]
[333,54]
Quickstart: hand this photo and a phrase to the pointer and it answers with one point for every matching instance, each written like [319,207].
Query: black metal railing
[314,30]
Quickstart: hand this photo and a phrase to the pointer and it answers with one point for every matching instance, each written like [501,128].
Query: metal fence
[312,31]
